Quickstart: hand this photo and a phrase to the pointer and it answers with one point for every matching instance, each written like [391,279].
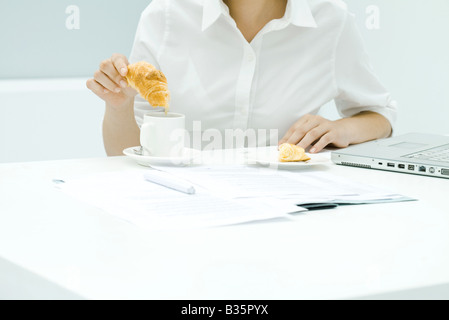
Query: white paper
[237,182]
[129,196]
[225,195]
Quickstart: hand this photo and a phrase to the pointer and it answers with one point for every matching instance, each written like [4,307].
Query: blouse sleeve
[358,87]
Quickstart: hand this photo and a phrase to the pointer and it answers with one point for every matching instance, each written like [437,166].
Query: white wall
[37,42]
[49,120]
[409,52]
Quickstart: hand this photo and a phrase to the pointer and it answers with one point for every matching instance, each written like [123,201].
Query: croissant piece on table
[150,83]
[292,153]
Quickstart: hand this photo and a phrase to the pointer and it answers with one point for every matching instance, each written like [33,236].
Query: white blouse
[293,66]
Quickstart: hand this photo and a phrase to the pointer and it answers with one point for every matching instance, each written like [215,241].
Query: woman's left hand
[318,132]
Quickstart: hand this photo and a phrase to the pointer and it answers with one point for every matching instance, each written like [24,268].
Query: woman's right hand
[109,82]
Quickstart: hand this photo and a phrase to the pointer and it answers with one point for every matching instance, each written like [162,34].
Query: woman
[251,64]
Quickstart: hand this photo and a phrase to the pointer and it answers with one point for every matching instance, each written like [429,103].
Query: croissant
[292,153]
[150,83]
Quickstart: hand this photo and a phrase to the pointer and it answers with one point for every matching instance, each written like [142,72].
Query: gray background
[42,117]
[35,42]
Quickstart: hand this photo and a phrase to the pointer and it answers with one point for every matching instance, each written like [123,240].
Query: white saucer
[187,158]
[269,157]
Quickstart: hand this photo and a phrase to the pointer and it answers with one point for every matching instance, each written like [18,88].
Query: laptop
[415,153]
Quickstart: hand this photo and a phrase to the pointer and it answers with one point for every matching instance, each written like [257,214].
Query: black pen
[318,206]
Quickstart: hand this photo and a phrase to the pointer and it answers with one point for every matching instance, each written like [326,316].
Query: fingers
[297,135]
[298,131]
[325,140]
[109,82]
[109,69]
[294,134]
[106,82]
[120,63]
[96,88]
[312,136]
[311,130]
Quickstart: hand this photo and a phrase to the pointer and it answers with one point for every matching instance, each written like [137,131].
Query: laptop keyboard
[436,154]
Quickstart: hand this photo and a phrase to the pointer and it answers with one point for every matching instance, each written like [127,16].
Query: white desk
[52,246]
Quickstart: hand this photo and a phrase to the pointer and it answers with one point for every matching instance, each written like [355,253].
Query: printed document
[129,196]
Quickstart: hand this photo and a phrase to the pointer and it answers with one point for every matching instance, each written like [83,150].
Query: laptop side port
[391,165]
[411,167]
[422,169]
[401,166]
[445,172]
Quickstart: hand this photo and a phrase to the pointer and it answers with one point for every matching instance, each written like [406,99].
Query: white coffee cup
[162,135]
